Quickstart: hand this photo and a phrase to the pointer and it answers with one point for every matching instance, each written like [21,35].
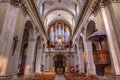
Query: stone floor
[59,77]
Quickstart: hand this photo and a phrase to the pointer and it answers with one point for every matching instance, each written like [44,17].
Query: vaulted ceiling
[68,11]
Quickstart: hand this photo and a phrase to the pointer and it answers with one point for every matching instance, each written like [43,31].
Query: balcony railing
[101,57]
[59,50]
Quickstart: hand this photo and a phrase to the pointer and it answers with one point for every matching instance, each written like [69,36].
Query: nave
[41,39]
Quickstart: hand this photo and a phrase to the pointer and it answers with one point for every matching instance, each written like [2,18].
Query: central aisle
[59,77]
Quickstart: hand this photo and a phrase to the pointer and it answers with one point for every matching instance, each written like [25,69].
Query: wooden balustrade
[101,57]
[42,76]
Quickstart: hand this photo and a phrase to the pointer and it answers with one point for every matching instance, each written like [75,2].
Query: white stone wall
[116,9]
[3,9]
[14,60]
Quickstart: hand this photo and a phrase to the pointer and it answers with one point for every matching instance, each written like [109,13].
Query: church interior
[59,39]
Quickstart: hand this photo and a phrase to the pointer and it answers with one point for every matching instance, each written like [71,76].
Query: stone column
[30,56]
[109,21]
[48,61]
[76,58]
[91,70]
[43,61]
[75,61]
[38,60]
[67,62]
[70,57]
[81,60]
[7,35]
[43,58]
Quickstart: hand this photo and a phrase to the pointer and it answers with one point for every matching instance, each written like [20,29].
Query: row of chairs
[74,76]
[41,76]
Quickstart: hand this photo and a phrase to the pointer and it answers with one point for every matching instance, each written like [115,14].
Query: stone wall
[14,59]
[3,9]
[116,9]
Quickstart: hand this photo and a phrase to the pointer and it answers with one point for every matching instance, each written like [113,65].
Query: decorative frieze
[5,1]
[24,8]
[21,4]
[96,8]
[16,2]
[115,1]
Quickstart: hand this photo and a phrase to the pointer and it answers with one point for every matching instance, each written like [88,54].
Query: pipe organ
[59,34]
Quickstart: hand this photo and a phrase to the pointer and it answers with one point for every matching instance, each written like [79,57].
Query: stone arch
[24,51]
[90,28]
[30,28]
[90,65]
[28,35]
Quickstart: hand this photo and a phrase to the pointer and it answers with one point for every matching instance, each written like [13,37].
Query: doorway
[59,63]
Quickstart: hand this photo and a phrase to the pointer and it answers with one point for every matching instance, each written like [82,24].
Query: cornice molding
[16,2]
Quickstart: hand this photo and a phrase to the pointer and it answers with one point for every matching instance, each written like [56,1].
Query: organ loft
[59,39]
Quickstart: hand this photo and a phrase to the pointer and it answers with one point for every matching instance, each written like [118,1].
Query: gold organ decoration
[59,41]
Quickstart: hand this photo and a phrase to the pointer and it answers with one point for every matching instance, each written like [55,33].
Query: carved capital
[105,3]
[21,4]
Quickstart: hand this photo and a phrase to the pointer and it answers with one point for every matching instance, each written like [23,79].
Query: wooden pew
[41,76]
[75,76]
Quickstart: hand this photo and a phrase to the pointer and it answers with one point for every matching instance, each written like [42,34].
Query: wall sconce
[15,38]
